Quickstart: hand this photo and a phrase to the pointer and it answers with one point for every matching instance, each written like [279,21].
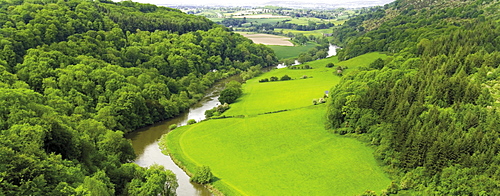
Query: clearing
[284,153]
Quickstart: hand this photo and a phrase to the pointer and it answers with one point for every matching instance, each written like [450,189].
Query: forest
[76,75]
[431,110]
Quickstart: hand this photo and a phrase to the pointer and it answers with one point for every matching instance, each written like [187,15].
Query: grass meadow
[318,32]
[285,52]
[284,153]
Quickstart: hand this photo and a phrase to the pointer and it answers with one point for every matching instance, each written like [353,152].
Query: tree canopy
[75,76]
[431,110]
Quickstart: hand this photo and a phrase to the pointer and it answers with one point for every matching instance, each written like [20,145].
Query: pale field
[267,39]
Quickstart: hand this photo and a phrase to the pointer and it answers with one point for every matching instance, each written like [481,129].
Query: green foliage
[153,181]
[377,64]
[191,121]
[428,109]
[285,77]
[75,76]
[330,65]
[280,132]
[217,111]
[172,126]
[231,92]
[203,175]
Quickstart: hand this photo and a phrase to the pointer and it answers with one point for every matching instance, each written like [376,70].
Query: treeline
[253,26]
[75,77]
[429,110]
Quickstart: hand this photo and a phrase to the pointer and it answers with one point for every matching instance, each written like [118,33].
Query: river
[145,140]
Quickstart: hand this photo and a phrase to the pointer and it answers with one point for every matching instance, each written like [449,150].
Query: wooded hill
[76,75]
[432,109]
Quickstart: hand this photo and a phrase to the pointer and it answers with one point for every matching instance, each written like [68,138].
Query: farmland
[283,153]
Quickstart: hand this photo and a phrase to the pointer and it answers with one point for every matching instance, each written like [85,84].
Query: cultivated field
[285,52]
[284,153]
[267,39]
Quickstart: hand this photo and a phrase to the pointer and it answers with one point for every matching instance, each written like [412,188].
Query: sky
[256,2]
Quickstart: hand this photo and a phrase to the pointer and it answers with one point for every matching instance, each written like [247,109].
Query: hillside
[76,75]
[431,110]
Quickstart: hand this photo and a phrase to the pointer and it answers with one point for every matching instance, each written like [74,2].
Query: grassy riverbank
[284,153]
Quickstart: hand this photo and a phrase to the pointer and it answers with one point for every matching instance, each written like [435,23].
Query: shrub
[222,108]
[191,121]
[330,65]
[172,126]
[274,78]
[203,175]
[377,64]
[264,80]
[307,67]
[209,113]
[285,77]
[231,92]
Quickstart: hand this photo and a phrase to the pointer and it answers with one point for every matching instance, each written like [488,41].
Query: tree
[285,77]
[231,92]
[203,175]
[377,64]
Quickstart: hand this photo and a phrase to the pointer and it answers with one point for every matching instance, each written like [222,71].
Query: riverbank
[281,153]
[146,147]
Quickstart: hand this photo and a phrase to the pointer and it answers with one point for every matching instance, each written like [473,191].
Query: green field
[285,52]
[318,32]
[305,21]
[285,153]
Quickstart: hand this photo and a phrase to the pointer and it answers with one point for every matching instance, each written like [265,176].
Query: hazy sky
[252,2]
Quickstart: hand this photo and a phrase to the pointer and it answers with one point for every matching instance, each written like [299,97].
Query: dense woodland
[76,75]
[432,109]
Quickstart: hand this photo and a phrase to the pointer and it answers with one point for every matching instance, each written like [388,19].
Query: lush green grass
[265,20]
[285,52]
[272,96]
[285,153]
[318,32]
[305,21]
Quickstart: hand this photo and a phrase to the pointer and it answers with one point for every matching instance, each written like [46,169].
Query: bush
[307,67]
[209,113]
[203,175]
[172,126]
[285,77]
[222,108]
[274,78]
[231,92]
[191,121]
[264,80]
[330,65]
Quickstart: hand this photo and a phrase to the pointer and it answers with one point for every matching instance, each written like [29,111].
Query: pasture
[284,153]
[318,32]
[285,52]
